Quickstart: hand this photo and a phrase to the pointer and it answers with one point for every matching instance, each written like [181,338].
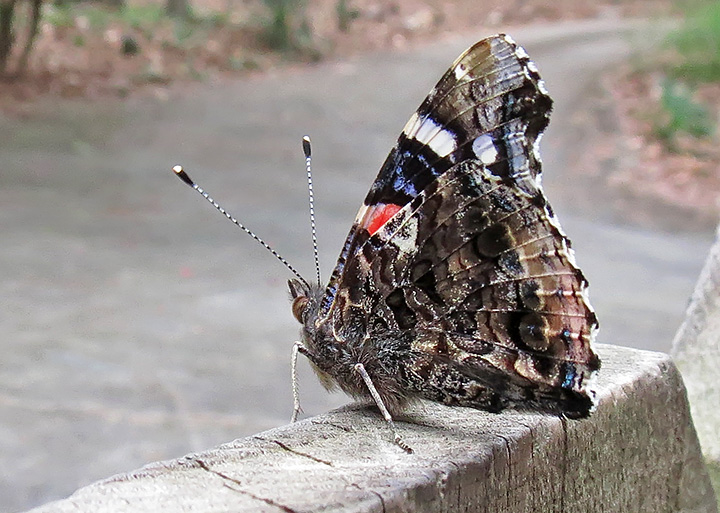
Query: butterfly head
[300,295]
[305,300]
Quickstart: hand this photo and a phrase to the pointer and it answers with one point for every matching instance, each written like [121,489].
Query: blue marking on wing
[569,376]
[328,298]
[407,167]
[402,184]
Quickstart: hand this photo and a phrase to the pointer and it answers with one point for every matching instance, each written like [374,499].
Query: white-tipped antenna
[180,172]
[308,159]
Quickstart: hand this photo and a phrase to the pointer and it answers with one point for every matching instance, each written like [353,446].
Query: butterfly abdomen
[385,357]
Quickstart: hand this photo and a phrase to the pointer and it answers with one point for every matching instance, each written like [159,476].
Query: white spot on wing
[484,149]
[541,87]
[536,148]
[441,140]
[406,239]
[428,128]
[361,214]
[410,127]
[521,53]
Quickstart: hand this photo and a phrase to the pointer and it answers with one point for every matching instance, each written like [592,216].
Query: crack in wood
[295,451]
[529,427]
[456,487]
[358,487]
[339,426]
[508,488]
[225,477]
[382,501]
[563,470]
[532,458]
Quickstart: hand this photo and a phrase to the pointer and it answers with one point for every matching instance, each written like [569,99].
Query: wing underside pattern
[457,251]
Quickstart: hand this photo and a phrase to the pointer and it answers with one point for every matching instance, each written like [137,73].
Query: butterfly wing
[457,254]
[490,104]
[485,280]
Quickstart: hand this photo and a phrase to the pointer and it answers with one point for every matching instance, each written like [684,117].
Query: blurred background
[136,324]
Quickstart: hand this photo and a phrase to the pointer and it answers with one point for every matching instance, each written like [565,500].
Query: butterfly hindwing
[484,281]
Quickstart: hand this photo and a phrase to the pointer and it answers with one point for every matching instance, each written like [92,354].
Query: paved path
[137,324]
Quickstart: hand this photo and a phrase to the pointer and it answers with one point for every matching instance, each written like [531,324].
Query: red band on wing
[378,216]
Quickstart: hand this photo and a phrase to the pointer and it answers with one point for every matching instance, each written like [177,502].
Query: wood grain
[638,453]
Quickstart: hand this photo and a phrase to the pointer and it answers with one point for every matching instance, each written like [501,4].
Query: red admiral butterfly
[456,283]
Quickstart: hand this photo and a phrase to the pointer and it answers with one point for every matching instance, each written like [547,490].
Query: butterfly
[456,283]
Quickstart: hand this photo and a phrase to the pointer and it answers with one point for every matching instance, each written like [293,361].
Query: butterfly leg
[297,348]
[360,369]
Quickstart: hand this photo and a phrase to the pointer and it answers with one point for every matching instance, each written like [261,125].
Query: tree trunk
[32,33]
[7,11]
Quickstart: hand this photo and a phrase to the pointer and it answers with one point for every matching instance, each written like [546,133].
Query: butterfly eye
[299,305]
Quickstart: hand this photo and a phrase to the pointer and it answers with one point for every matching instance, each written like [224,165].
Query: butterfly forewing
[483,105]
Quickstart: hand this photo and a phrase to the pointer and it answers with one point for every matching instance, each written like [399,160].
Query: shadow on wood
[638,452]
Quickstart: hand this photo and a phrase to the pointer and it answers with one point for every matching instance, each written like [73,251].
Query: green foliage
[287,28]
[682,113]
[345,14]
[243,64]
[60,16]
[213,19]
[143,17]
[183,31]
[278,30]
[697,43]
[151,75]
[691,56]
[98,17]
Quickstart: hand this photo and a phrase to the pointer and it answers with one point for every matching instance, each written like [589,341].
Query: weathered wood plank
[696,349]
[637,453]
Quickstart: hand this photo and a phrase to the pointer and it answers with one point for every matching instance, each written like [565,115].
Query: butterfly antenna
[308,159]
[180,172]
